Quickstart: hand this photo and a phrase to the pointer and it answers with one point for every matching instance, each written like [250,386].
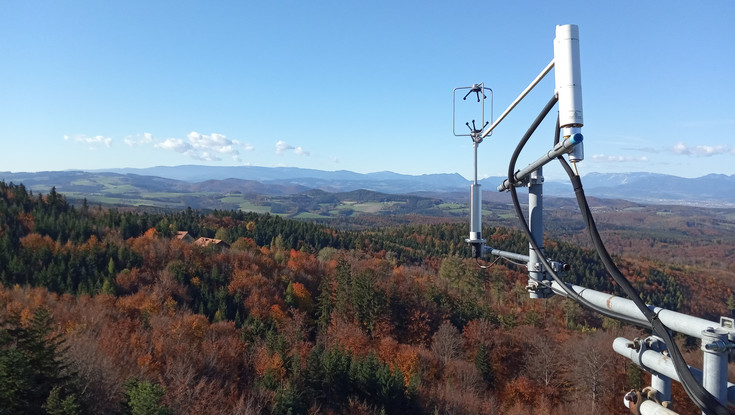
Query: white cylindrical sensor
[568,76]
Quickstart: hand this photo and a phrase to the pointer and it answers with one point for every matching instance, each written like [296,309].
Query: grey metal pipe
[563,147]
[520,97]
[662,364]
[661,383]
[649,407]
[714,363]
[536,225]
[678,322]
[509,255]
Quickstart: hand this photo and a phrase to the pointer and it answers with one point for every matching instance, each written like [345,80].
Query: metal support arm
[563,147]
[678,322]
[523,94]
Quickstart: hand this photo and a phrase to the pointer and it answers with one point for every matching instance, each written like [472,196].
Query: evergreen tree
[289,298]
[731,304]
[111,268]
[482,363]
[324,303]
[367,300]
[336,374]
[314,374]
[288,401]
[31,364]
[344,284]
[144,398]
[55,405]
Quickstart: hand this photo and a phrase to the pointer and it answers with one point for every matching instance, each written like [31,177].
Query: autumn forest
[105,311]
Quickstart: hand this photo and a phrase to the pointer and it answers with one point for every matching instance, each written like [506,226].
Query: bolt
[718,346]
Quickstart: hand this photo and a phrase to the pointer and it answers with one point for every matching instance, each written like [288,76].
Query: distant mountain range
[330,181]
[714,190]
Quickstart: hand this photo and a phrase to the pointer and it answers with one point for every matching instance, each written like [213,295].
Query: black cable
[700,396]
[524,225]
[697,393]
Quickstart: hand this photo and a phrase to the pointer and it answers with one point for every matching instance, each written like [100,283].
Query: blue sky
[362,86]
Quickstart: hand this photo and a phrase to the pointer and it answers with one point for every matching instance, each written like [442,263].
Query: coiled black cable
[697,393]
[524,225]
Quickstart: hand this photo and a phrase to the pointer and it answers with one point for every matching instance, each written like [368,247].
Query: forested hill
[106,311]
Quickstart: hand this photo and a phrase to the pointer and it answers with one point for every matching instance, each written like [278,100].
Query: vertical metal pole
[475,240]
[661,383]
[536,224]
[714,366]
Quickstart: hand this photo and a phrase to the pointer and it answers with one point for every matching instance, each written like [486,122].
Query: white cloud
[604,158]
[281,146]
[176,144]
[205,147]
[700,151]
[138,139]
[215,142]
[301,152]
[92,141]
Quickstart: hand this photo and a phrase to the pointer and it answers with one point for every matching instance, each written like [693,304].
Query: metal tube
[475,213]
[562,148]
[520,97]
[658,362]
[475,240]
[678,322]
[536,225]
[649,407]
[714,364]
[509,255]
[475,144]
[662,384]
[568,76]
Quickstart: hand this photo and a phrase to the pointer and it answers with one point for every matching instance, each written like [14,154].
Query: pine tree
[324,303]
[31,364]
[336,374]
[314,374]
[144,398]
[368,301]
[55,405]
[482,363]
[344,284]
[289,298]
[111,268]
[731,304]
[108,287]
